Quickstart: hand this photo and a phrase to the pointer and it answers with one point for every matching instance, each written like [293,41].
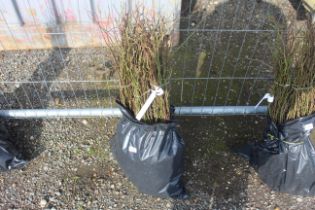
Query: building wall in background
[37,24]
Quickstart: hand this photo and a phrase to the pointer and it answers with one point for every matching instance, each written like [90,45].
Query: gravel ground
[71,164]
[76,170]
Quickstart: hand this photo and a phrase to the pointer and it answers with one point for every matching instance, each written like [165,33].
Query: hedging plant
[150,156]
[142,60]
[294,65]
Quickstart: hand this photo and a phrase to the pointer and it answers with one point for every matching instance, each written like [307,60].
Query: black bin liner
[9,157]
[150,155]
[285,159]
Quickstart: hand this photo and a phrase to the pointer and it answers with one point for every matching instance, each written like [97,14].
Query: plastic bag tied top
[150,155]
[285,159]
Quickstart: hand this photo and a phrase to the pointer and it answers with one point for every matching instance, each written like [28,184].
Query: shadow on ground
[25,134]
[35,94]
[213,172]
[225,50]
[230,40]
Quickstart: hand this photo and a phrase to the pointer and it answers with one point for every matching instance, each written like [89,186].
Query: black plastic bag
[150,155]
[285,159]
[9,157]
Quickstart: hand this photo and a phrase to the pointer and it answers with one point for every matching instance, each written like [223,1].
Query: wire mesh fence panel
[222,52]
[225,57]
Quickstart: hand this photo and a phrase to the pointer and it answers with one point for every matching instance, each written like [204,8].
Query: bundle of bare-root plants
[149,151]
[294,86]
[143,62]
[285,159]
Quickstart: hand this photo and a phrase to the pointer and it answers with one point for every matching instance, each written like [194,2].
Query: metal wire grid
[60,81]
[249,81]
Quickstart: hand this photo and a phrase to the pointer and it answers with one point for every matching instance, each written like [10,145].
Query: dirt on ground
[70,162]
[75,169]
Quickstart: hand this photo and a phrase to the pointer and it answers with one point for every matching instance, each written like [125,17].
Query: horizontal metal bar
[220,110]
[115,112]
[225,30]
[222,78]
[116,81]
[15,26]
[59,81]
[116,30]
[60,113]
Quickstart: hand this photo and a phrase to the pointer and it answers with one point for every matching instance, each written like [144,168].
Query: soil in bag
[285,159]
[151,155]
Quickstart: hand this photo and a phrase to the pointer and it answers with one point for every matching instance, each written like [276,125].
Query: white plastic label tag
[268,96]
[132,149]
[156,92]
[308,127]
